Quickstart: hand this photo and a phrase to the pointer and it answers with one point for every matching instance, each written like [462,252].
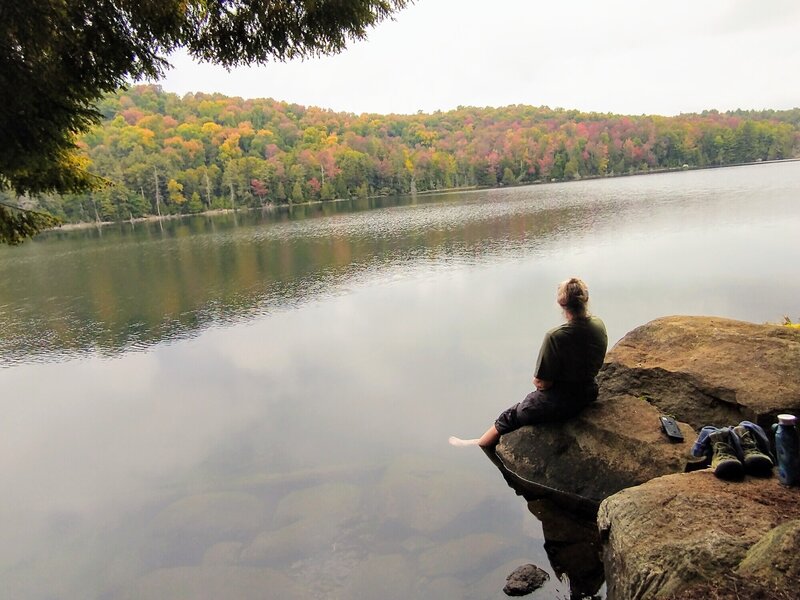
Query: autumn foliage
[164,154]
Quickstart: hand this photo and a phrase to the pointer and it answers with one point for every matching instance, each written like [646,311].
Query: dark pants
[556,404]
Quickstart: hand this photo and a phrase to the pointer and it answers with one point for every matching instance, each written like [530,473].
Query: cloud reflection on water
[270,364]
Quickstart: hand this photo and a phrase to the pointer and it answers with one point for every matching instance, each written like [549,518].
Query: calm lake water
[258,405]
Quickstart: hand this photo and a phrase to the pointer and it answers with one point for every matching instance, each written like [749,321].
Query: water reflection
[133,286]
[573,548]
[283,423]
[569,528]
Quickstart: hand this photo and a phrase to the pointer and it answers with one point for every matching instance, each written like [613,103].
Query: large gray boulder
[614,444]
[708,370]
[702,370]
[691,535]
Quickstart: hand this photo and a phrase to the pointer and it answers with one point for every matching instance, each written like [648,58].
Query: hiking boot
[697,464]
[755,461]
[725,460]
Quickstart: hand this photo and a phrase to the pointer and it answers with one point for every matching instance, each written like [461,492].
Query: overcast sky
[622,56]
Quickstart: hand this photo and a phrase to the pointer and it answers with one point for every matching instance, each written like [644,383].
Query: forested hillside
[163,154]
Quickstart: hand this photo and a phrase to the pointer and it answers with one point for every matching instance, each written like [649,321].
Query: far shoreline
[271,206]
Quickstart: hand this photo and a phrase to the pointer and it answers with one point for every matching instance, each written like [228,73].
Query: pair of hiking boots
[735,451]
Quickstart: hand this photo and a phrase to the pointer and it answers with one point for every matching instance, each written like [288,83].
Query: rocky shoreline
[666,533]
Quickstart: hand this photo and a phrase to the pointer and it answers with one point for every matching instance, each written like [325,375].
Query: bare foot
[458,442]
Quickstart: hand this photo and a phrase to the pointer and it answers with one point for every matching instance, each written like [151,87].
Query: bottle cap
[787,419]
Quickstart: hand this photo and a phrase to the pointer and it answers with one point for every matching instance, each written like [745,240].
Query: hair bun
[573,294]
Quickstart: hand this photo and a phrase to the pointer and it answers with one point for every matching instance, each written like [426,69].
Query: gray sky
[621,56]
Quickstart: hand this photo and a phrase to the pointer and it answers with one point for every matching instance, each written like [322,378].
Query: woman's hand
[542,384]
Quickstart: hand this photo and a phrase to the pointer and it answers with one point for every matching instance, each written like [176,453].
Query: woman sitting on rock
[570,357]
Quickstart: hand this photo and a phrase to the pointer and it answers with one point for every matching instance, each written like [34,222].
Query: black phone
[670,427]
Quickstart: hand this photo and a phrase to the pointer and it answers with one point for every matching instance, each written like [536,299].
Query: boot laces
[724,450]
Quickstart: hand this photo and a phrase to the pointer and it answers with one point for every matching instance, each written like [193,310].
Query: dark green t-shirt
[573,353]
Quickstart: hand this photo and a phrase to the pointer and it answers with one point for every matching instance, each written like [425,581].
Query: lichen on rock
[687,529]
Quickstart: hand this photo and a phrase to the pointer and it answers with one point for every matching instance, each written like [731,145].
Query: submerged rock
[463,555]
[524,580]
[443,587]
[426,495]
[390,577]
[332,500]
[218,515]
[211,583]
[184,530]
[307,537]
[223,554]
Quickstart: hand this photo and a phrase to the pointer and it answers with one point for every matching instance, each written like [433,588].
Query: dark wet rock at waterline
[614,444]
[702,370]
[524,580]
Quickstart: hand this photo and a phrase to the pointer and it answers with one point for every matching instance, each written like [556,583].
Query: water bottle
[787,447]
